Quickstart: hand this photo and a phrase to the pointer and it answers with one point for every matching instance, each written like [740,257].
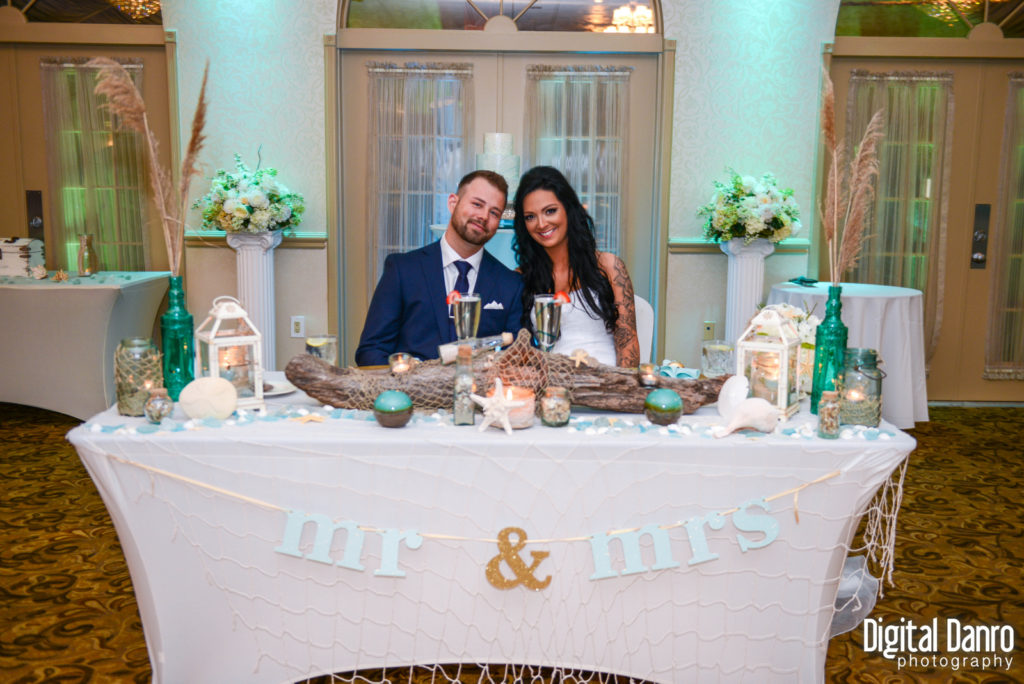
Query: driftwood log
[431,384]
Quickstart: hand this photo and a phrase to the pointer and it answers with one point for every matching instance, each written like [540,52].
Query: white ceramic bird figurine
[754,413]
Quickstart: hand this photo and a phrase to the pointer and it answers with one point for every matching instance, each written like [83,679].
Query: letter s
[746,522]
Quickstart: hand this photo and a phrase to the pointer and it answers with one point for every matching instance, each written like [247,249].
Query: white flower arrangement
[249,202]
[749,208]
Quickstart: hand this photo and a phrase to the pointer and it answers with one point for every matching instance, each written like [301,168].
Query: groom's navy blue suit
[408,311]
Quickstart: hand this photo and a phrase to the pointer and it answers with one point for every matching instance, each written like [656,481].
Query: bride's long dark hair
[535,264]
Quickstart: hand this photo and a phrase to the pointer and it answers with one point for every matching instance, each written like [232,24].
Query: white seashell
[734,391]
[755,413]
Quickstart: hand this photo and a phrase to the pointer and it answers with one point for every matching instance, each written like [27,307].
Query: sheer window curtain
[1004,354]
[907,222]
[421,131]
[577,121]
[96,170]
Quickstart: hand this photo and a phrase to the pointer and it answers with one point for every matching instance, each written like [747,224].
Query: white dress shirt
[448,258]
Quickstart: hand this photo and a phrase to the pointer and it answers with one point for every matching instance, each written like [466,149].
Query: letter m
[325,531]
[599,547]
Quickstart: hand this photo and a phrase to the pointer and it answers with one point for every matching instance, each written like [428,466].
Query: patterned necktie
[461,286]
[462,282]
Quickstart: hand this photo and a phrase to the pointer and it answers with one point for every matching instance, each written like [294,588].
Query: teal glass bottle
[176,333]
[829,348]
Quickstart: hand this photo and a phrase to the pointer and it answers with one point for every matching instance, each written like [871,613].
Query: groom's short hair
[495,179]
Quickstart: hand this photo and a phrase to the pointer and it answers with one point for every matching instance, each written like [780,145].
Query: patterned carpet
[69,613]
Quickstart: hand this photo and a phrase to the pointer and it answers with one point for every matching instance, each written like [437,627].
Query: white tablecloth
[201,513]
[57,340]
[887,319]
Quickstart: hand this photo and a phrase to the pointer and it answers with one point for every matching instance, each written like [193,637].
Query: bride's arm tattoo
[627,348]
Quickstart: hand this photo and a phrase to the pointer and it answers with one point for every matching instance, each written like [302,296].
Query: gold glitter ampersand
[509,553]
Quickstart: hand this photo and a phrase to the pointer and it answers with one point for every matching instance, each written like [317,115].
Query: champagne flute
[547,319]
[466,312]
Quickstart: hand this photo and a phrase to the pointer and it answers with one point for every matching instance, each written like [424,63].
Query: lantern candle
[647,374]
[400,362]
[860,402]
[764,376]
[520,416]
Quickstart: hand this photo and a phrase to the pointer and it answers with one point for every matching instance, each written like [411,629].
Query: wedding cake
[497,156]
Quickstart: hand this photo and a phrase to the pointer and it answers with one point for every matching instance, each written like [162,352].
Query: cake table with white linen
[887,319]
[58,338]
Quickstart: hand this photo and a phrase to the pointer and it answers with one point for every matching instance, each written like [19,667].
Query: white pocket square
[495,305]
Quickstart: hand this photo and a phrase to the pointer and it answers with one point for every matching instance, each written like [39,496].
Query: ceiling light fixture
[137,9]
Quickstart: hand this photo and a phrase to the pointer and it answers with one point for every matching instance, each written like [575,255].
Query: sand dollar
[208,398]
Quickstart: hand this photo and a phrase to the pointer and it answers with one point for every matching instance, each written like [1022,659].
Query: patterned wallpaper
[746,96]
[746,90]
[266,87]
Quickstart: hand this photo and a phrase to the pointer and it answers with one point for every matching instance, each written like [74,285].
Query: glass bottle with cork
[463,413]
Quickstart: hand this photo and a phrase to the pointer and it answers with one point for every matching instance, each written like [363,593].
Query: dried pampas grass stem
[848,189]
[125,101]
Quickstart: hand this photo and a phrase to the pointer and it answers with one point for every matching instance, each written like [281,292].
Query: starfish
[496,408]
[308,418]
[579,356]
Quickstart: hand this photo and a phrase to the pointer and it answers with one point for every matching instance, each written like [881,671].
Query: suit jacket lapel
[434,277]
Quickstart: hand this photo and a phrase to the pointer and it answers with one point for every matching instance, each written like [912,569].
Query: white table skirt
[57,340]
[887,319]
[200,512]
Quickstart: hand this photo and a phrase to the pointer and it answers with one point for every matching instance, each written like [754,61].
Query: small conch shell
[39,271]
[754,413]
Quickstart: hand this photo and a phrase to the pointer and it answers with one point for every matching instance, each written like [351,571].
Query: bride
[557,251]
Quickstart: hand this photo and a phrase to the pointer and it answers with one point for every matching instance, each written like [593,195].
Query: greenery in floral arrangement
[749,208]
[248,201]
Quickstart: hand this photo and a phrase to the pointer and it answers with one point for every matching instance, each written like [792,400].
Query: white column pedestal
[745,283]
[254,257]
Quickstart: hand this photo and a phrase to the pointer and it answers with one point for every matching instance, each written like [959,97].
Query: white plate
[278,387]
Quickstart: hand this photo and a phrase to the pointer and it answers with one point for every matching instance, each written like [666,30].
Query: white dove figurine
[754,413]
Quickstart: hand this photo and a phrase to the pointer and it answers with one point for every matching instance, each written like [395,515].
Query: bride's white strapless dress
[584,330]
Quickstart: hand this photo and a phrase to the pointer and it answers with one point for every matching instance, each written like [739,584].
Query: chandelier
[627,19]
[137,9]
[953,11]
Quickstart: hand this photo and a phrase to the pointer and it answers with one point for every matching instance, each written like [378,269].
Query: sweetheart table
[312,540]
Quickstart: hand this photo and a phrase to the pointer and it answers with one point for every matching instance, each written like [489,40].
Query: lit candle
[520,416]
[400,362]
[764,376]
[648,374]
[855,395]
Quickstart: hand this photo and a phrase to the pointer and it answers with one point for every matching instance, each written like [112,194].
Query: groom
[408,311]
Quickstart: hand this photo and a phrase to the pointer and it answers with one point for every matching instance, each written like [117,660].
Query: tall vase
[829,348]
[745,283]
[176,339]
[254,259]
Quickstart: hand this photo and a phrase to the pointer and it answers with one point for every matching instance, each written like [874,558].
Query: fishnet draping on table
[220,604]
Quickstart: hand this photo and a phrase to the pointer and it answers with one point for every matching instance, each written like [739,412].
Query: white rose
[795,227]
[257,200]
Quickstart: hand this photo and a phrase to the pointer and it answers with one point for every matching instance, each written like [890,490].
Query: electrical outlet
[709,330]
[298,326]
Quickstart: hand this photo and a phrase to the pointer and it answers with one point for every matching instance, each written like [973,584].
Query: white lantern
[768,355]
[228,345]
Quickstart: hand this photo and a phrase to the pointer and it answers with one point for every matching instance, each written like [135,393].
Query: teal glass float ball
[392,408]
[663,406]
